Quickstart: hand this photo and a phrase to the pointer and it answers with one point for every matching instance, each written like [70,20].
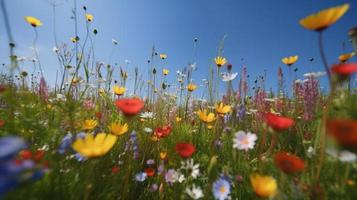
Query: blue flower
[141,176]
[10,146]
[65,143]
[221,188]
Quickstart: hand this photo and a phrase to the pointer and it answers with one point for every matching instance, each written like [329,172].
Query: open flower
[263,186]
[290,60]
[191,87]
[244,141]
[165,71]
[119,90]
[96,146]
[278,123]
[228,76]
[344,131]
[325,18]
[163,56]
[194,192]
[130,106]
[345,57]
[222,109]
[162,132]
[89,124]
[117,129]
[33,21]
[89,17]
[206,117]
[185,150]
[221,188]
[289,163]
[220,61]
[344,68]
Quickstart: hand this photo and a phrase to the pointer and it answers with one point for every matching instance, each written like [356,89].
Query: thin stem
[323,57]
[35,50]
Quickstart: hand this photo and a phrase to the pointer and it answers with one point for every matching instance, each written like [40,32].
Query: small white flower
[314,74]
[244,141]
[147,115]
[194,192]
[343,156]
[228,76]
[173,176]
[191,167]
[147,130]
[55,49]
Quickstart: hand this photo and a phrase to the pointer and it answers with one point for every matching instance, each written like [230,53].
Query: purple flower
[65,143]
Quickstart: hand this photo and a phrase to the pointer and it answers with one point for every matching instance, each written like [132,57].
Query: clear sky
[259,33]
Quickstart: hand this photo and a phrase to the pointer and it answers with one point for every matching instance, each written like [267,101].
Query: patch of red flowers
[115,170]
[277,122]
[344,68]
[185,150]
[163,131]
[130,106]
[289,163]
[150,172]
[344,131]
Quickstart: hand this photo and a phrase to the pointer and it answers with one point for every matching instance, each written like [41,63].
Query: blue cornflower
[10,146]
[65,143]
[221,188]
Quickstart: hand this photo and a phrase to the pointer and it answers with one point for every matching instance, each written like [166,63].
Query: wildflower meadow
[110,129]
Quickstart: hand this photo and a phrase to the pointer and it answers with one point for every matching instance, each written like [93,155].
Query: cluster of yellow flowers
[209,117]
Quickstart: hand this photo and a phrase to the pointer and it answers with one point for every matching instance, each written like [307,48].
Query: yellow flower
[96,146]
[263,186]
[89,17]
[165,71]
[118,129]
[220,61]
[119,90]
[209,126]
[163,155]
[222,109]
[75,81]
[344,57]
[290,60]
[89,124]
[206,117]
[74,39]
[33,21]
[191,87]
[178,119]
[323,19]
[163,56]
[101,92]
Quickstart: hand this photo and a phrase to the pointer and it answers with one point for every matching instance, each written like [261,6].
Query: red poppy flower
[38,155]
[277,122]
[130,106]
[162,132]
[150,172]
[344,68]
[289,163]
[2,123]
[115,170]
[344,131]
[185,150]
[25,154]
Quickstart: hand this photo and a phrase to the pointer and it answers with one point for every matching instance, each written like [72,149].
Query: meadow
[92,136]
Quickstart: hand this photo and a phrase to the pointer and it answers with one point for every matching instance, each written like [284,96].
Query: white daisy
[147,115]
[194,192]
[191,167]
[228,76]
[244,141]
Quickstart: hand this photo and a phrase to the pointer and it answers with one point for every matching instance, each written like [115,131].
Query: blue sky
[259,33]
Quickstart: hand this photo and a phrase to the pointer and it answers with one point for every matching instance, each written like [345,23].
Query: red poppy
[344,131]
[38,155]
[277,122]
[115,170]
[289,163]
[150,172]
[25,154]
[344,68]
[162,132]
[130,106]
[185,150]
[98,115]
[2,123]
